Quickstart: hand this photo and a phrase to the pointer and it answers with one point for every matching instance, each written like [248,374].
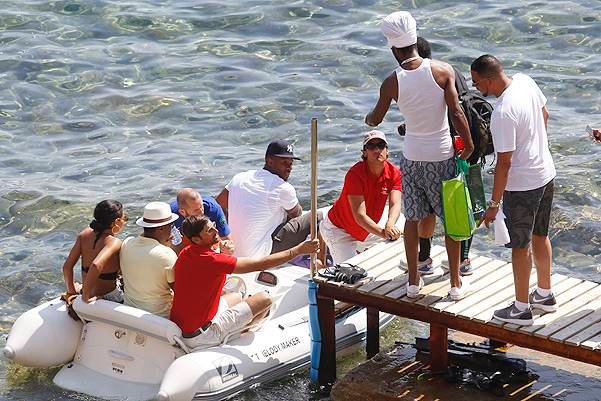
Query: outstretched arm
[253,264]
[388,92]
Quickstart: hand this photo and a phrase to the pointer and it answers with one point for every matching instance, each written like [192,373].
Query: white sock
[522,306]
[543,292]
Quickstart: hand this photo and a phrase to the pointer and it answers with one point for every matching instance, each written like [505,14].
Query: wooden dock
[573,331]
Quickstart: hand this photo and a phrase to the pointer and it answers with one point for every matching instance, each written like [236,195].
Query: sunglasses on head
[373,145]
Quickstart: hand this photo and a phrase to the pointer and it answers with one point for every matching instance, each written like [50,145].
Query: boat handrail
[128,317]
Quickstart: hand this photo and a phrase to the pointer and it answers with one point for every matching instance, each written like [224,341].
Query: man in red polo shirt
[205,316]
[352,222]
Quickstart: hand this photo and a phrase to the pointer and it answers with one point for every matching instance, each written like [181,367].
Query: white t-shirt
[517,125]
[147,268]
[257,204]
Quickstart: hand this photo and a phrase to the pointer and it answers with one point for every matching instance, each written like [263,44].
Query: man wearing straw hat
[147,261]
[424,90]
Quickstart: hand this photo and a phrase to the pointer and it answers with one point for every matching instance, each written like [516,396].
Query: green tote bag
[459,223]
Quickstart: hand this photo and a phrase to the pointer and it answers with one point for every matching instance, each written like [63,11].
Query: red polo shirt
[375,190]
[200,274]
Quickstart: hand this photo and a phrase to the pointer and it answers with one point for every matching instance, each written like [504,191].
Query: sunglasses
[376,145]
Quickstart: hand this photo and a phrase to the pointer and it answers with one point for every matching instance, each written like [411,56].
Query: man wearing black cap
[263,211]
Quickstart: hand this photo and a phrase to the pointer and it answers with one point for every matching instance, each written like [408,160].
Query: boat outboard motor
[44,336]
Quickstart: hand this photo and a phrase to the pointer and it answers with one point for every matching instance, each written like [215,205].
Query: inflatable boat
[118,352]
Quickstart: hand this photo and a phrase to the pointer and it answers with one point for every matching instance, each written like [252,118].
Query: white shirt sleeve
[287,196]
[503,130]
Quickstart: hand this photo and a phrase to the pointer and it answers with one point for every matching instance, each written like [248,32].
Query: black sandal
[345,272]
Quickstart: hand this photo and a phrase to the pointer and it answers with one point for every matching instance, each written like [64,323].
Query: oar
[312,289]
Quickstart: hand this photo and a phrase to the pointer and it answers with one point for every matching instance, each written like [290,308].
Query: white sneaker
[413,290]
[457,294]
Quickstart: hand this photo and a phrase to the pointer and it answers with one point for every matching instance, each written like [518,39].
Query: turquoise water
[134,99]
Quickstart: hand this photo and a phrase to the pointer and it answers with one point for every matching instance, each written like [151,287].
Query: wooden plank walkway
[573,331]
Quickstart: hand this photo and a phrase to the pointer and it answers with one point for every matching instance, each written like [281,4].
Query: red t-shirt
[375,190]
[200,274]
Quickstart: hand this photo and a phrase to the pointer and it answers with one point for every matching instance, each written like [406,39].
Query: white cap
[374,134]
[400,29]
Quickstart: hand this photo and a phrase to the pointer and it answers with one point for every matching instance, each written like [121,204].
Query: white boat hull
[123,353]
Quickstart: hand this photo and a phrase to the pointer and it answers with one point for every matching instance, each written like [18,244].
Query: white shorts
[341,244]
[344,246]
[226,321]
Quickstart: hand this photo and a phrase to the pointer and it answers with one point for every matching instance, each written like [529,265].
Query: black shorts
[527,213]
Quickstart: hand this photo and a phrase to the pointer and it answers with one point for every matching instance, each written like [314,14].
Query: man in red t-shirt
[205,316]
[369,184]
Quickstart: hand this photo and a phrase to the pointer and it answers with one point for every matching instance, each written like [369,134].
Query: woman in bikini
[99,251]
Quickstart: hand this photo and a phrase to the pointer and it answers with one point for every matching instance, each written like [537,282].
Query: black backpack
[478,112]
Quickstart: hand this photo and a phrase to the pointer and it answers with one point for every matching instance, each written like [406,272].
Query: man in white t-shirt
[263,211]
[523,182]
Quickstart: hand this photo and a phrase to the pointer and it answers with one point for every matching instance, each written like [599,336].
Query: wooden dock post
[438,347]
[373,332]
[327,323]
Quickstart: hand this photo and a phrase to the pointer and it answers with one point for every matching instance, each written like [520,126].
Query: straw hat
[156,214]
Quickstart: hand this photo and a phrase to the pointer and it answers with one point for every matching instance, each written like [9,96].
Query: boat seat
[128,317]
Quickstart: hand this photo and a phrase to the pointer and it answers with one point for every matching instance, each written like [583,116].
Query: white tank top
[421,101]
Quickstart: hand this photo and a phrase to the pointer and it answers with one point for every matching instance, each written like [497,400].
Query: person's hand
[227,247]
[466,151]
[391,232]
[311,246]
[489,216]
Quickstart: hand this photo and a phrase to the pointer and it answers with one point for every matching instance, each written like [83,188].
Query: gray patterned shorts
[527,213]
[422,185]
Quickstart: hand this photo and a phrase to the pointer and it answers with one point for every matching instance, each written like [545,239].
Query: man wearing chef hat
[424,91]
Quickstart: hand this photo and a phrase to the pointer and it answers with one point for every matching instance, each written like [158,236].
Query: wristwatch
[492,203]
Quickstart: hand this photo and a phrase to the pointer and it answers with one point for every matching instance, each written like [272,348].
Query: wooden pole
[373,332]
[313,190]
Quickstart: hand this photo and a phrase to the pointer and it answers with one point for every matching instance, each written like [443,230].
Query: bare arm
[97,267]
[499,184]
[357,203]
[222,200]
[388,92]
[445,78]
[394,207]
[69,264]
[295,211]
[253,264]
[545,115]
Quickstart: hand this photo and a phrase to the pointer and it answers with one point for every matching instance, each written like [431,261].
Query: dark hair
[486,66]
[423,48]
[105,213]
[193,225]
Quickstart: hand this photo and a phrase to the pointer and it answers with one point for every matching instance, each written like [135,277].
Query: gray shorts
[292,232]
[422,186]
[527,213]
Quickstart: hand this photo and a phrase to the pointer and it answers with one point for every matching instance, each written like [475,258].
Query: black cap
[280,148]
